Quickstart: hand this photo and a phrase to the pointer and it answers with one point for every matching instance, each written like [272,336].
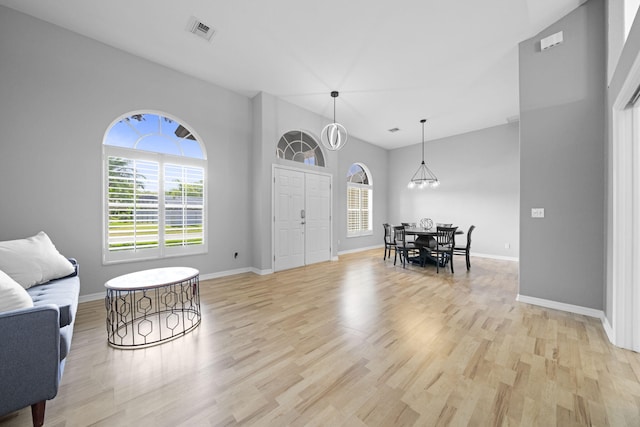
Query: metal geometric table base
[146,317]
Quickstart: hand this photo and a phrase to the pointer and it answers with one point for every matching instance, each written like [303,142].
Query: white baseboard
[91,297]
[353,251]
[473,254]
[261,272]
[500,257]
[585,311]
[218,274]
[101,295]
[608,329]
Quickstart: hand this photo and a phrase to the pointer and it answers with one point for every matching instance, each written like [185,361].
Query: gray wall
[562,99]
[376,160]
[60,91]
[479,174]
[273,117]
[58,94]
[276,118]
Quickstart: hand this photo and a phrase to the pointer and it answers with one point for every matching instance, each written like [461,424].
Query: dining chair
[465,250]
[445,241]
[410,225]
[403,248]
[389,243]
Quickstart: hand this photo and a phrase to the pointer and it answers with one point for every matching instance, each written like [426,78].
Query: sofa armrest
[29,356]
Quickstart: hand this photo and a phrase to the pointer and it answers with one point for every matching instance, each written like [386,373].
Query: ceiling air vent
[394,130]
[200,29]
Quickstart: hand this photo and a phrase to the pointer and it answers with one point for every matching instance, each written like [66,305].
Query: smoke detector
[200,29]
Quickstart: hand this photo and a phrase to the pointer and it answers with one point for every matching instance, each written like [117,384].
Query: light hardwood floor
[356,342]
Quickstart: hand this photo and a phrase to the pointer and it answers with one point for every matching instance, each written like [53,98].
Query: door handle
[303,223]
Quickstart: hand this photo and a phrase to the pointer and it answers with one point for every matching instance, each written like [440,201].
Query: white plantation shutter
[359,192]
[358,210]
[132,204]
[183,205]
[353,210]
[365,194]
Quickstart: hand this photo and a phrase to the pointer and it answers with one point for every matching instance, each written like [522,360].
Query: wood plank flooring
[356,342]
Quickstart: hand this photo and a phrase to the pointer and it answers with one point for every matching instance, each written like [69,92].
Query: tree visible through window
[155,187]
[359,203]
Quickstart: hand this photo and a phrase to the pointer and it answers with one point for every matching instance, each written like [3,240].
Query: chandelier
[334,135]
[423,176]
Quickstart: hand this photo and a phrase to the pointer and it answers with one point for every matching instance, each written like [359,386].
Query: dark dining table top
[419,231]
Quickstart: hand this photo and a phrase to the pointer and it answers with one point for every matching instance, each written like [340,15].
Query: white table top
[154,278]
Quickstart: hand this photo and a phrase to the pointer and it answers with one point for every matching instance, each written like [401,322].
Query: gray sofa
[34,344]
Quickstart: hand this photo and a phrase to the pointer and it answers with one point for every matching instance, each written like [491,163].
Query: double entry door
[302,218]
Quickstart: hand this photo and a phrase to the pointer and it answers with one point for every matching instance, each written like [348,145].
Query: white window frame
[290,154]
[162,159]
[361,188]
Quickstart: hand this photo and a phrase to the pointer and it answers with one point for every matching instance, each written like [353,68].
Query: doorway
[623,227]
[301,218]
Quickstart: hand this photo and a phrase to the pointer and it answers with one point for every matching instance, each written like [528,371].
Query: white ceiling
[452,62]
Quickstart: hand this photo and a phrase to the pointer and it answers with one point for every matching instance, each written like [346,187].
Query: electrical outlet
[507,245]
[537,212]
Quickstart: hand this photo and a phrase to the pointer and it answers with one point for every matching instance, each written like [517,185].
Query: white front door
[318,204]
[302,218]
[289,224]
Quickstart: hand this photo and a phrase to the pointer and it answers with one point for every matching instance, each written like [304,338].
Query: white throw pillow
[33,260]
[12,295]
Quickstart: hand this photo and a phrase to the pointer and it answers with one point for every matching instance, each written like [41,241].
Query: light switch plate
[537,212]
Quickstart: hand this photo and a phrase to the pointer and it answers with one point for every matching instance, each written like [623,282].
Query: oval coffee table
[150,307]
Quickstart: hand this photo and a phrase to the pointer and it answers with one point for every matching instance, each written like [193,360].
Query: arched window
[359,200]
[154,189]
[300,147]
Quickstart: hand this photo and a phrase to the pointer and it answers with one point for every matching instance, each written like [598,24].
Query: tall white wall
[479,174]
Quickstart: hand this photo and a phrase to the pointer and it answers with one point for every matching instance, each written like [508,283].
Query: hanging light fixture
[423,176]
[334,135]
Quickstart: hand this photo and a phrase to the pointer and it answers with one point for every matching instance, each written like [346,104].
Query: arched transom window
[300,147]
[154,189]
[359,201]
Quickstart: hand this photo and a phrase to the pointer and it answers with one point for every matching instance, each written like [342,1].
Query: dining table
[425,240]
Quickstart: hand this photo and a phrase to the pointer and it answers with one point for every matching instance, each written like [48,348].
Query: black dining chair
[445,241]
[403,248]
[465,250]
[410,225]
[389,243]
